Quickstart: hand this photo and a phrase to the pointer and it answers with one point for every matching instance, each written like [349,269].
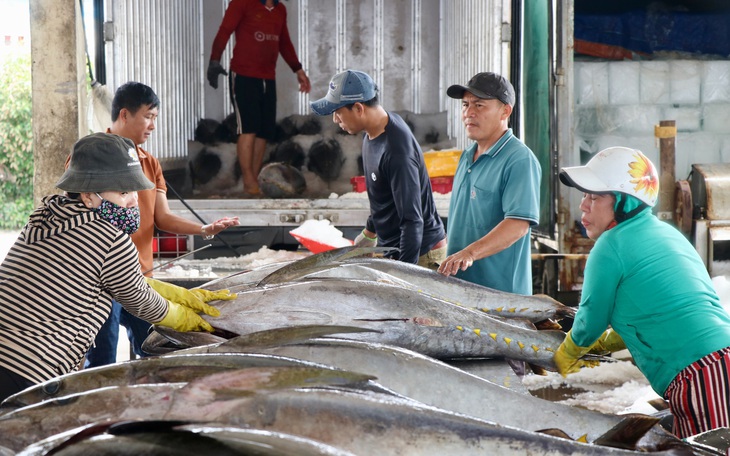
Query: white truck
[577,91]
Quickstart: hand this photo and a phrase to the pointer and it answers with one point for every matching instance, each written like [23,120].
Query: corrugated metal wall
[475,37]
[414,49]
[158,43]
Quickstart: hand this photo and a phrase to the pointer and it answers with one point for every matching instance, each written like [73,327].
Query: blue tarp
[653,31]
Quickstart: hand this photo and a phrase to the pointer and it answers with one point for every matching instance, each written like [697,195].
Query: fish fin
[627,432]
[157,343]
[300,268]
[289,335]
[547,324]
[555,433]
[659,403]
[537,370]
[561,310]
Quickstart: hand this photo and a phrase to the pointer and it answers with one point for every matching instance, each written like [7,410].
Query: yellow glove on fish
[609,342]
[183,319]
[207,295]
[567,357]
[194,299]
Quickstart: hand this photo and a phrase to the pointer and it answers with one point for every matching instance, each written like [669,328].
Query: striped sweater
[56,286]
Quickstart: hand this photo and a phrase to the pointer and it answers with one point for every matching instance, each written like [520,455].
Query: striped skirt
[699,396]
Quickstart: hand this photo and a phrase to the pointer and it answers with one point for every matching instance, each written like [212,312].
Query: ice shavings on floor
[612,387]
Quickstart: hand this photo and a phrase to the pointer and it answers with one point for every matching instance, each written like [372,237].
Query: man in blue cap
[402,210]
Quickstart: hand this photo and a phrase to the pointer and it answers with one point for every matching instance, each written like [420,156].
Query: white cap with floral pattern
[616,169]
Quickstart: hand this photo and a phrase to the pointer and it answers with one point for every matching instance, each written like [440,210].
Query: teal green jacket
[644,279]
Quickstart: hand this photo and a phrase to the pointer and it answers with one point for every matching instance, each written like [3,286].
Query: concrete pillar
[58,88]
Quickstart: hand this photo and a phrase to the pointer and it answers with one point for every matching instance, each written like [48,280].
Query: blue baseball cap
[345,88]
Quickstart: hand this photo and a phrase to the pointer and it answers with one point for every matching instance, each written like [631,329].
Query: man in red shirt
[261,35]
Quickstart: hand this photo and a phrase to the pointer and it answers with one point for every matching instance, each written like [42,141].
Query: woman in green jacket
[645,281]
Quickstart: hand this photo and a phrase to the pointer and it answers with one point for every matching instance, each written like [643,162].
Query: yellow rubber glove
[567,357]
[609,342]
[193,300]
[207,295]
[183,319]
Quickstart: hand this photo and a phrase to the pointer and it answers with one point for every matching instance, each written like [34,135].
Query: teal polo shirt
[504,182]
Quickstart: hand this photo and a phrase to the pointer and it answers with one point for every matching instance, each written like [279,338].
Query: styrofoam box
[725,149]
[716,118]
[638,119]
[716,82]
[623,83]
[684,77]
[591,83]
[695,148]
[654,87]
[687,119]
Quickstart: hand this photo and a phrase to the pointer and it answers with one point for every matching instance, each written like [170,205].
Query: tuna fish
[313,263]
[200,400]
[171,369]
[438,384]
[360,422]
[280,180]
[174,438]
[403,318]
[450,289]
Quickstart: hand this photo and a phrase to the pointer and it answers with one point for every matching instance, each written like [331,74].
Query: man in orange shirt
[134,111]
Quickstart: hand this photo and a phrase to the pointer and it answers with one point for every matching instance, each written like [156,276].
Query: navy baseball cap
[345,88]
[487,86]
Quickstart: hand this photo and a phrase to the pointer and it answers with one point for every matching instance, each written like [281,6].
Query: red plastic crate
[438,184]
[166,245]
[358,184]
[442,184]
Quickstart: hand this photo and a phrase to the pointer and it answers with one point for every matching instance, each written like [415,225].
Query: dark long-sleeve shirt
[402,211]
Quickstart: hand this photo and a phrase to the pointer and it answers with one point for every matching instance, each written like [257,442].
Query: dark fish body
[289,152]
[280,180]
[326,159]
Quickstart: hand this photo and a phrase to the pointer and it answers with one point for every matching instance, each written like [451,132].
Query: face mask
[125,219]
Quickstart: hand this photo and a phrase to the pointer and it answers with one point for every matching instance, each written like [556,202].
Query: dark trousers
[104,350]
[11,383]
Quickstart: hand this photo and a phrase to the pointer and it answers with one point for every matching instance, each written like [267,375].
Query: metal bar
[667,179]
[559,256]
[199,217]
[177,258]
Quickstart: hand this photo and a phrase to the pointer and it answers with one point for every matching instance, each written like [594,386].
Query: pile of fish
[335,354]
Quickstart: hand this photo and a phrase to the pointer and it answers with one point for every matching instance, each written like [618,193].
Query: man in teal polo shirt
[496,194]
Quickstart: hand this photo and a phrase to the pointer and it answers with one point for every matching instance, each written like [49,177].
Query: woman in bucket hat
[647,282]
[72,257]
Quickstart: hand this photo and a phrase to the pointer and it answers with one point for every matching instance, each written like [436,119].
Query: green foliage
[16,145]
